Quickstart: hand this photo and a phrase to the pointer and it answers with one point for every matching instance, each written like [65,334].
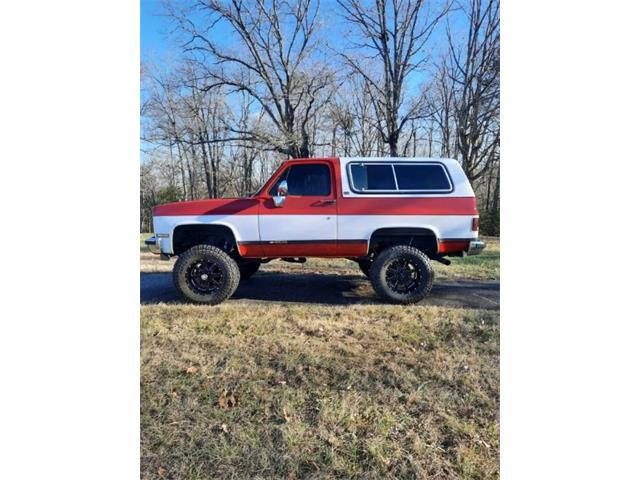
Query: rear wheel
[402,274]
[248,268]
[206,274]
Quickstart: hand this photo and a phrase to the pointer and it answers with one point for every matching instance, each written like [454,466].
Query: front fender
[243,227]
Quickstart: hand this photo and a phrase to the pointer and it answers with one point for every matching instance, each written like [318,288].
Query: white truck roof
[461,185]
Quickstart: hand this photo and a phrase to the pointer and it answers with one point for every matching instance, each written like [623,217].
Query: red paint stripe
[453,246]
[316,206]
[218,206]
[407,206]
[328,249]
[304,249]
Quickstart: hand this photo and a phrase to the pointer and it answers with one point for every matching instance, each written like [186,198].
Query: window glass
[359,177]
[421,177]
[306,180]
[372,177]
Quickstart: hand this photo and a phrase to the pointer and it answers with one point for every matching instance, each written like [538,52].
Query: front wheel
[206,274]
[402,274]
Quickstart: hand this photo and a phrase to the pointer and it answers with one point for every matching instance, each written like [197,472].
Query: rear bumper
[153,244]
[475,247]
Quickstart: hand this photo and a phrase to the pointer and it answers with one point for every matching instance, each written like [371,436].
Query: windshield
[265,182]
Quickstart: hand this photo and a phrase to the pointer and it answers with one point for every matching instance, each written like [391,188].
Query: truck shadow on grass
[327,289]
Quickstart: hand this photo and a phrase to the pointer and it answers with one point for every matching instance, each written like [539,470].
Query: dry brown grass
[313,391]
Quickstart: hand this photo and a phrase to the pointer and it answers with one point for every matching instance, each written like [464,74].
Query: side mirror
[282,192]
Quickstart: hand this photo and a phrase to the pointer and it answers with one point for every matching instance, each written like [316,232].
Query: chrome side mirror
[282,192]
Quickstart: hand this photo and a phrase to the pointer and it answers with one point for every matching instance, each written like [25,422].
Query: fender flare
[426,228]
[231,227]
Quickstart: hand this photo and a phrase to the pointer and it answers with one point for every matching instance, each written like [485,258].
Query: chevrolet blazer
[393,216]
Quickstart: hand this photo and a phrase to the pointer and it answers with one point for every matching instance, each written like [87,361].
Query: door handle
[322,203]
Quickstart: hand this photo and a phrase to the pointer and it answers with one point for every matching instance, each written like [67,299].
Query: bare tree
[204,112]
[442,106]
[162,125]
[217,121]
[393,36]
[474,68]
[275,64]
[244,153]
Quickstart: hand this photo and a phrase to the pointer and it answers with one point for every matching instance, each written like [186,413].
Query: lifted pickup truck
[392,216]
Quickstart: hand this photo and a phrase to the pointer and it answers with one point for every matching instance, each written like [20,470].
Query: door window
[306,180]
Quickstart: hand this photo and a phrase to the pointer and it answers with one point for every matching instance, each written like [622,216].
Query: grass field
[298,391]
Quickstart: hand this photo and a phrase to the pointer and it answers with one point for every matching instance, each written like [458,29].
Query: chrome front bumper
[153,244]
[475,247]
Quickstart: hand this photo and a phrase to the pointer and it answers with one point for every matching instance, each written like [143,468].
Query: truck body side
[342,222]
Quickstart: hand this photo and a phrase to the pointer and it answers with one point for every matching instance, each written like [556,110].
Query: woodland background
[256,82]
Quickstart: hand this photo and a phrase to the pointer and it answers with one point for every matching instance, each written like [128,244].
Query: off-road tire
[248,268]
[421,268]
[226,269]
[365,266]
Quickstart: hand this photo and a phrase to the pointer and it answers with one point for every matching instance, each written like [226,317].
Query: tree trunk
[415,141]
[393,145]
[211,147]
[496,193]
[488,199]
[192,173]
[173,165]
[182,172]
[207,169]
[333,141]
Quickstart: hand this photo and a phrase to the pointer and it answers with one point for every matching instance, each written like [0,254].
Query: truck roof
[378,159]
[399,159]
[446,161]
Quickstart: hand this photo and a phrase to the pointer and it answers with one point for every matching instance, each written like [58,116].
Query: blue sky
[153,29]
[158,45]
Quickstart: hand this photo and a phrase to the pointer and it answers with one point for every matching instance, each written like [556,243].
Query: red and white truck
[393,216]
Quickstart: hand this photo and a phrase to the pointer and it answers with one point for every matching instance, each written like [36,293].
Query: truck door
[306,222]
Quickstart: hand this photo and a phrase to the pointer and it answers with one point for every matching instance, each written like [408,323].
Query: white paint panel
[244,227]
[298,227]
[461,186]
[315,227]
[353,227]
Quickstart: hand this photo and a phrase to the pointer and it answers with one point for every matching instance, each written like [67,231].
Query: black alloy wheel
[402,274]
[206,274]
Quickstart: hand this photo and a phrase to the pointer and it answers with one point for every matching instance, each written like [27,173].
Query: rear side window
[373,177]
[401,177]
[307,180]
[422,177]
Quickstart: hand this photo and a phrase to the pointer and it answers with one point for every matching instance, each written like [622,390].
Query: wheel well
[187,236]
[423,239]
